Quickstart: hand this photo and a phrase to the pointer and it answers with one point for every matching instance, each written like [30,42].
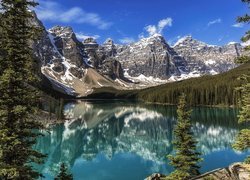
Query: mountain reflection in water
[123,140]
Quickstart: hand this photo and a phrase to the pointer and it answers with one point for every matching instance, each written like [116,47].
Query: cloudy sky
[125,21]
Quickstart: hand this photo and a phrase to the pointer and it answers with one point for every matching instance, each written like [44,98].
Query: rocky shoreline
[236,171]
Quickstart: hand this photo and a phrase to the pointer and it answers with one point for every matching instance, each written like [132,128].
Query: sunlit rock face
[120,128]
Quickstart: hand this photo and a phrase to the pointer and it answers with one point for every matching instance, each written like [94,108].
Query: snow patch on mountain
[77,68]
[181,41]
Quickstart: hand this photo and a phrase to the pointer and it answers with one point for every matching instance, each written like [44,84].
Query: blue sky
[213,21]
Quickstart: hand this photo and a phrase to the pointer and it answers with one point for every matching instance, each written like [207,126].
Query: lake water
[111,140]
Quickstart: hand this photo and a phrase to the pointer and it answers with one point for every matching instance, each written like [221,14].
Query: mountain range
[78,68]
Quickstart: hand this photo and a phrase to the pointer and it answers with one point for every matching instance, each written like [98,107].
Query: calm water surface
[123,140]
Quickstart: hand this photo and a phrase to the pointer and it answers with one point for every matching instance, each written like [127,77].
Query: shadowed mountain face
[77,68]
[119,135]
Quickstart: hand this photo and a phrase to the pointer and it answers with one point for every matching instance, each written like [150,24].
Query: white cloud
[157,29]
[141,35]
[178,37]
[220,39]
[52,11]
[151,29]
[164,23]
[127,40]
[238,25]
[216,21]
[82,36]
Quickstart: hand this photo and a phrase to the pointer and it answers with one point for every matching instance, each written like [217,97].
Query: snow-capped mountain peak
[182,40]
[75,67]
[63,32]
[232,43]
[191,42]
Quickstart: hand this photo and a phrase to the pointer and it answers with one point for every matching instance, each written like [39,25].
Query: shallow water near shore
[110,140]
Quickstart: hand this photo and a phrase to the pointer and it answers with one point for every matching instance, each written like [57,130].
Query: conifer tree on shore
[186,159]
[63,174]
[242,142]
[18,131]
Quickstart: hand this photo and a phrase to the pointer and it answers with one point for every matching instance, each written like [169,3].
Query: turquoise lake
[117,140]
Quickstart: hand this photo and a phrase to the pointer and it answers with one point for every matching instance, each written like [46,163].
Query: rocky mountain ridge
[207,59]
[77,68]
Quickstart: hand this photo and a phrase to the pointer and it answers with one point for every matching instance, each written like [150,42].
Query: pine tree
[245,19]
[187,158]
[17,97]
[63,174]
[242,142]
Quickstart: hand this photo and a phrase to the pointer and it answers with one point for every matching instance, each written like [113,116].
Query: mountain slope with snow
[78,68]
[207,59]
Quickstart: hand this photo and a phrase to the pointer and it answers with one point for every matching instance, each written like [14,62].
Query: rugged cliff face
[77,68]
[102,58]
[151,57]
[207,59]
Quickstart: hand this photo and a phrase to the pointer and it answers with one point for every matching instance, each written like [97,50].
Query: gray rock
[77,72]
[236,171]
[112,68]
[207,59]
[156,176]
[65,59]
[89,40]
[151,57]
[58,66]
[68,45]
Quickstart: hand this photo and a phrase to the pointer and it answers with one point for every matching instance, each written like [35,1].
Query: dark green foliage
[244,102]
[243,59]
[245,19]
[247,160]
[206,90]
[17,97]
[186,159]
[64,175]
[242,142]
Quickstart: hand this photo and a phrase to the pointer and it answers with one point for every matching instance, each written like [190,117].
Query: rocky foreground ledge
[236,171]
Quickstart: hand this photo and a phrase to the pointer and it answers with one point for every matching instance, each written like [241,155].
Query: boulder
[236,171]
